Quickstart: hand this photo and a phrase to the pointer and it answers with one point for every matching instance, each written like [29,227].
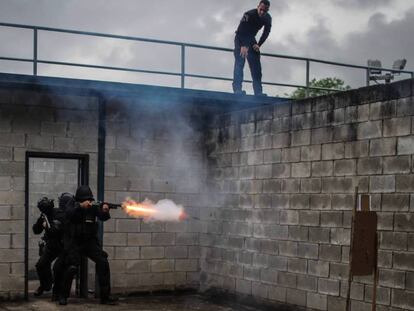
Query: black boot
[240,92]
[110,300]
[63,301]
[55,294]
[39,291]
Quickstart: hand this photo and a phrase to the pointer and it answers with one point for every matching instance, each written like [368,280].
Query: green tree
[327,83]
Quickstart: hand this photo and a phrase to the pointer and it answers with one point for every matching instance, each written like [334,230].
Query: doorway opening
[49,175]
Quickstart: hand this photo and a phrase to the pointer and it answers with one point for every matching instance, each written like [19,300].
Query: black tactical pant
[44,265]
[58,273]
[93,251]
[253,58]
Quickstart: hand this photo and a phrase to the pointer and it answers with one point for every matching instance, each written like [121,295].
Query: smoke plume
[163,210]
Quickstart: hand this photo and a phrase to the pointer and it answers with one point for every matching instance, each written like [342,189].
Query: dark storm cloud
[174,20]
[362,4]
[210,22]
[383,40]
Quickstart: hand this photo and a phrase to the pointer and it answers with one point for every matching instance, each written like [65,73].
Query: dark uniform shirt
[250,25]
[54,234]
[82,221]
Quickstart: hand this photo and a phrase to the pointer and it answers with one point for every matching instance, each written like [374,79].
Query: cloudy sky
[349,31]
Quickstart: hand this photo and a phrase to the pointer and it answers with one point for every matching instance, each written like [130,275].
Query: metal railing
[183,46]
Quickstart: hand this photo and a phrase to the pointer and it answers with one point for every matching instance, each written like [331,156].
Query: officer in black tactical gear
[246,46]
[59,265]
[81,239]
[51,222]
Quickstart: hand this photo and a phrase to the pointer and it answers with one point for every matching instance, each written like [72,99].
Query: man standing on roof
[246,46]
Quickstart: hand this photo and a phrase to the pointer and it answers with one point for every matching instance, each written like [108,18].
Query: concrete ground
[145,303]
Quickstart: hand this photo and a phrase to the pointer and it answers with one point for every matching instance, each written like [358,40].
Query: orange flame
[137,209]
[163,210]
[183,216]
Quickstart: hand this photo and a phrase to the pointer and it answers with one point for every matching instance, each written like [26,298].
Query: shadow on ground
[146,303]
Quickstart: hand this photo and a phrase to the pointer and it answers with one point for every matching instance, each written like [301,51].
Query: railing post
[35,51]
[182,66]
[307,78]
[367,76]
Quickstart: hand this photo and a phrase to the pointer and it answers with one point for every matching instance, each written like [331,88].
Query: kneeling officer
[81,239]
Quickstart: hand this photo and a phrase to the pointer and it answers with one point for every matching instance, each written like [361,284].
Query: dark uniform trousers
[91,249]
[43,265]
[58,273]
[253,58]
[53,246]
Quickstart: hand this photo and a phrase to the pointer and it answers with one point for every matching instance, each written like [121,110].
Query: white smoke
[163,210]
[166,210]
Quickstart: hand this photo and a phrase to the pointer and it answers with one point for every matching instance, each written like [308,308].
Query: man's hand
[244,50]
[256,47]
[86,204]
[105,208]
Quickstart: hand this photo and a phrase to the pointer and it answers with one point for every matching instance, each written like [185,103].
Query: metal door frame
[83,179]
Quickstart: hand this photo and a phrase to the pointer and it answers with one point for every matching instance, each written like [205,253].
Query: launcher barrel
[110,205]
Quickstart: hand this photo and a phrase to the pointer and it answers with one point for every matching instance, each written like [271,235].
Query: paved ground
[146,303]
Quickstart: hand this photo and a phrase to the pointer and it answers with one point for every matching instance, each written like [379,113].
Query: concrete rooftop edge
[219,100]
[104,88]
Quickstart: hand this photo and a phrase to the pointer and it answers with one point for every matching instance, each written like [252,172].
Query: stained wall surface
[152,150]
[269,190]
[288,174]
[155,151]
[38,121]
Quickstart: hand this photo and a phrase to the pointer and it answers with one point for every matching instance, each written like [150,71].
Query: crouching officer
[81,239]
[51,222]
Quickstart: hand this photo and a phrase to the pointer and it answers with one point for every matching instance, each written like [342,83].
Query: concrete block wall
[151,153]
[154,151]
[272,187]
[287,174]
[34,121]
[50,178]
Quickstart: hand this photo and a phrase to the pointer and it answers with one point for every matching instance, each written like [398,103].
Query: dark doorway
[49,174]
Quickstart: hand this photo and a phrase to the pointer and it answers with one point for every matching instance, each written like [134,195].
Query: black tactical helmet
[45,205]
[64,198]
[84,193]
